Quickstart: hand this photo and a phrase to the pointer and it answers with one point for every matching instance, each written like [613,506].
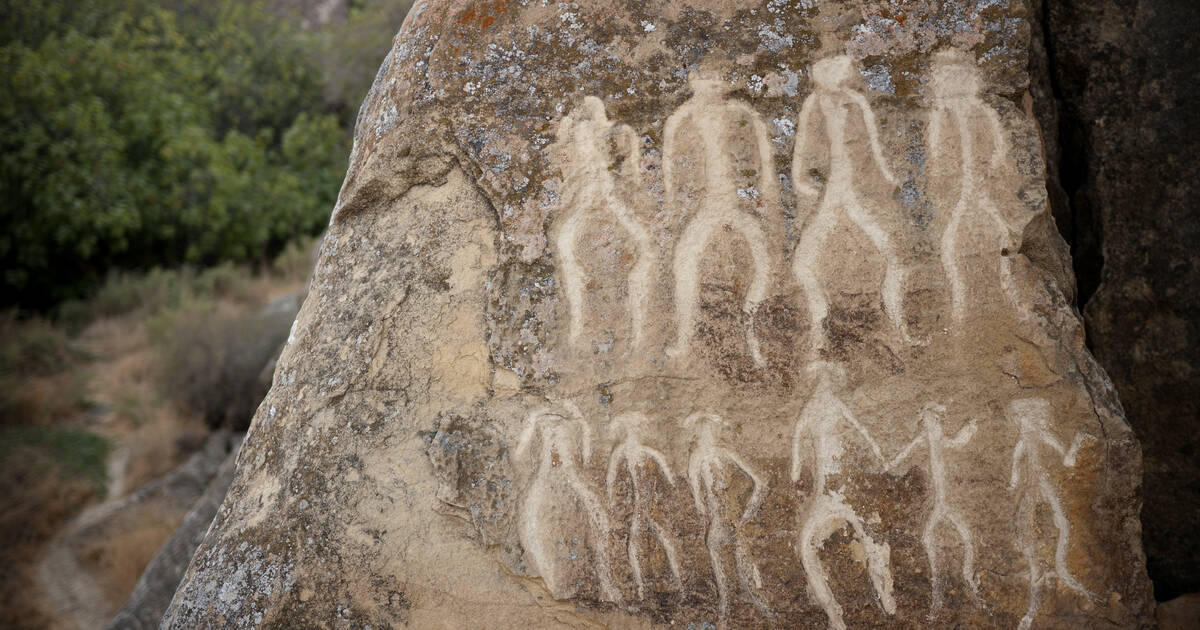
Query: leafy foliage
[137,133]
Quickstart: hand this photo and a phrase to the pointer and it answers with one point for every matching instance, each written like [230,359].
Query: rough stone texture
[709,314]
[145,607]
[1125,76]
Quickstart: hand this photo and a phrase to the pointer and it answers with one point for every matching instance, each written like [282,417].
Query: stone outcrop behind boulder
[713,314]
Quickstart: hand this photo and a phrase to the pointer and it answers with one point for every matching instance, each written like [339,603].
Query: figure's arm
[849,416]
[873,134]
[632,150]
[766,155]
[964,434]
[999,135]
[585,430]
[759,488]
[531,422]
[797,434]
[935,132]
[1016,468]
[614,460]
[669,132]
[694,473]
[906,452]
[1069,458]
[1052,442]
[662,463]
[800,185]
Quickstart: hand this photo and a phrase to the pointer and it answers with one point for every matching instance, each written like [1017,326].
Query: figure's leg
[572,272]
[664,540]
[757,242]
[748,575]
[804,267]
[639,276]
[1006,245]
[688,253]
[968,565]
[714,540]
[600,529]
[878,562]
[1064,535]
[893,271]
[531,538]
[634,551]
[949,254]
[930,543]
[1025,509]
[814,572]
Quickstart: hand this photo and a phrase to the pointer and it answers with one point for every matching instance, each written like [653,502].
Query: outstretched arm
[906,452]
[1069,458]
[756,494]
[662,463]
[531,423]
[800,185]
[797,434]
[1016,468]
[935,132]
[632,148]
[964,434]
[873,134]
[849,416]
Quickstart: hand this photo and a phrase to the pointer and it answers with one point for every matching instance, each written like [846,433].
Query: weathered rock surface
[1127,82]
[710,314]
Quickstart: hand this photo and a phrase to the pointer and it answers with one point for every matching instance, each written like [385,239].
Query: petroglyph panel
[771,332]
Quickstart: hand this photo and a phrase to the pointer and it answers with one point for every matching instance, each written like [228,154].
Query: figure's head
[954,75]
[832,72]
[1029,413]
[628,423]
[706,80]
[931,413]
[704,422]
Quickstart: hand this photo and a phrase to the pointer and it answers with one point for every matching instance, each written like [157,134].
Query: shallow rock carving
[633,454]
[959,111]
[827,511]
[937,443]
[589,189]
[640,316]
[832,110]
[1032,482]
[708,117]
[708,464]
[558,433]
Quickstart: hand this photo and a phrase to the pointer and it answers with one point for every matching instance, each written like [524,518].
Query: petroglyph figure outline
[935,439]
[557,458]
[1032,417]
[956,89]
[710,113]
[633,453]
[589,190]
[707,456]
[827,511]
[831,100]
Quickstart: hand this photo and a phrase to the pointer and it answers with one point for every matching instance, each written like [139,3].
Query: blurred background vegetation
[165,167]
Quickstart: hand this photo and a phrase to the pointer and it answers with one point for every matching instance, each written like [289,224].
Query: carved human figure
[1032,482]
[706,465]
[827,511]
[957,117]
[556,470]
[830,107]
[935,439]
[589,191]
[633,453]
[708,118]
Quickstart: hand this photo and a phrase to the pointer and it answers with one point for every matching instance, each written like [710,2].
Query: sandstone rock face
[711,315]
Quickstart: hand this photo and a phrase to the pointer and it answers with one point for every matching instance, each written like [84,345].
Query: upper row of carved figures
[695,137]
[563,435]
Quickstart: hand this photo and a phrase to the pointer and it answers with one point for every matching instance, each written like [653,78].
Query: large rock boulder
[1127,82]
[710,314]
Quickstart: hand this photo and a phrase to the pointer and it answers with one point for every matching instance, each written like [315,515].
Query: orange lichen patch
[484,14]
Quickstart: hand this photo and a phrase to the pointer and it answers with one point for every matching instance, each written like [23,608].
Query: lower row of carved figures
[589,190]
[825,513]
